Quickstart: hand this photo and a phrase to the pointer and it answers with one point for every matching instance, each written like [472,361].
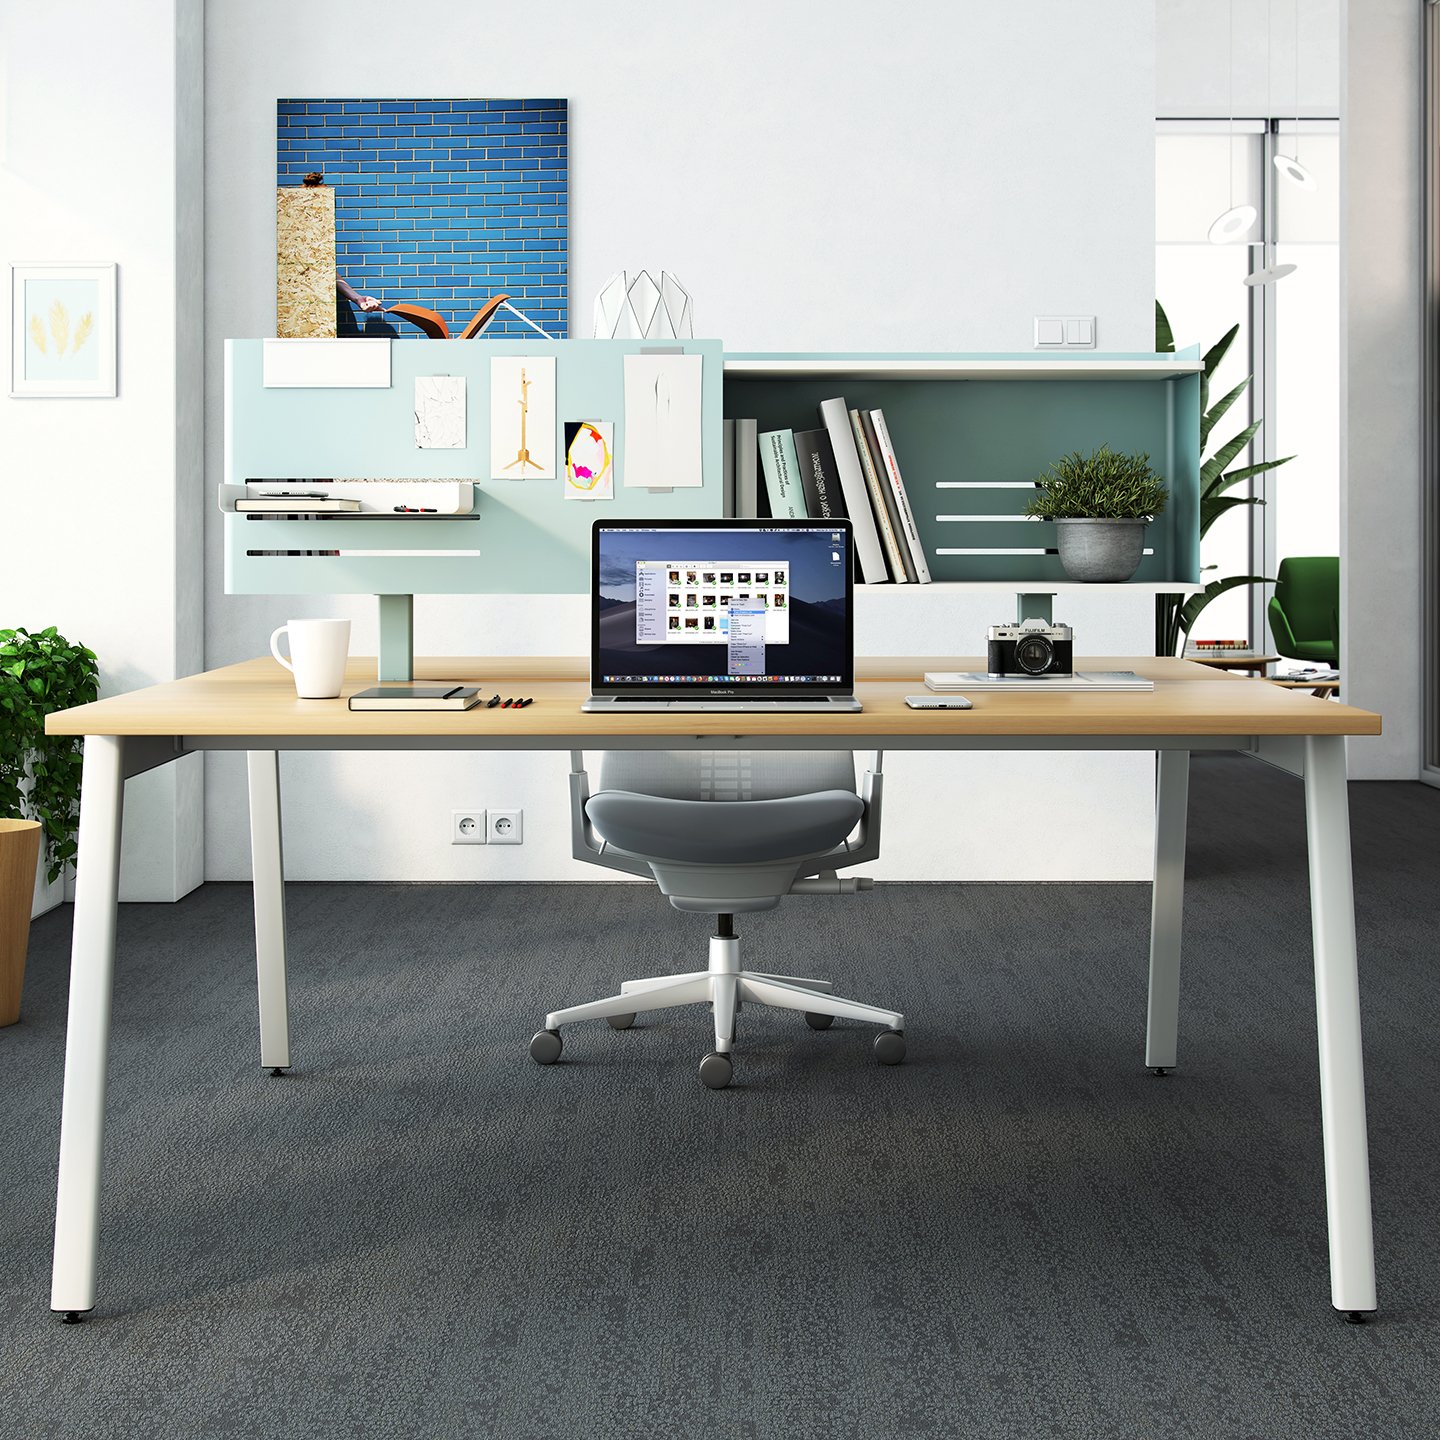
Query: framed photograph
[62,330]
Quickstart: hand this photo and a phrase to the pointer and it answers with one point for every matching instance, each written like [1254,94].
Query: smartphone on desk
[938,702]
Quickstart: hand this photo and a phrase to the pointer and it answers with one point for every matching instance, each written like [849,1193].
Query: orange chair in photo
[433,323]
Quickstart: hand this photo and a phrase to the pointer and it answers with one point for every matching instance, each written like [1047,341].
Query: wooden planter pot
[19,855]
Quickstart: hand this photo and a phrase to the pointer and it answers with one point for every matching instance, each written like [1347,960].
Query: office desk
[253,707]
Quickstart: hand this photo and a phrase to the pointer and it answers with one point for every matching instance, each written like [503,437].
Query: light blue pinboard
[530,539]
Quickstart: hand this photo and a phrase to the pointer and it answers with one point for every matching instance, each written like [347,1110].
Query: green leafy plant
[1175,615]
[1102,486]
[40,773]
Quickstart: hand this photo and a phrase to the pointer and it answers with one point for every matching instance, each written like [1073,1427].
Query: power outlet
[468,827]
[507,827]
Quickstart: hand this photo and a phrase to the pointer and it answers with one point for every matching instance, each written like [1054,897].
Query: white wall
[1380,441]
[1195,76]
[100,497]
[820,181]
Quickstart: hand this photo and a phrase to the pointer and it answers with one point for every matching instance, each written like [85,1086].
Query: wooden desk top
[257,698]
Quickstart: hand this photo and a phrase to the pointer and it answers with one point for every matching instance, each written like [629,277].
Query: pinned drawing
[662,421]
[439,412]
[522,417]
[589,460]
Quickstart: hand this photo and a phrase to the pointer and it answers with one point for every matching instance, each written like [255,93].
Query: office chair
[726,833]
[1305,609]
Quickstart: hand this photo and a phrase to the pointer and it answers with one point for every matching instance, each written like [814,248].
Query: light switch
[1049,332]
[1080,331]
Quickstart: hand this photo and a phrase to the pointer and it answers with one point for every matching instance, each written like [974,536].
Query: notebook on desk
[721,615]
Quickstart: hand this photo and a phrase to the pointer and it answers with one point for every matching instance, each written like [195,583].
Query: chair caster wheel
[716,1071]
[279,1069]
[818,1022]
[545,1048]
[621,1022]
[72,1317]
[1159,1071]
[1355,1317]
[890,1047]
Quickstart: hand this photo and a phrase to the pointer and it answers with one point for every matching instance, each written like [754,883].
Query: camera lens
[1034,654]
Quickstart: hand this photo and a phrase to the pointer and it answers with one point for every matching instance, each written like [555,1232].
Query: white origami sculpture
[631,306]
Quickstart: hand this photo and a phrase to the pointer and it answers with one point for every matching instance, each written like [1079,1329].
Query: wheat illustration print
[60,330]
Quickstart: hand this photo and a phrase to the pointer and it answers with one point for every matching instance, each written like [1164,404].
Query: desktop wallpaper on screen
[723,606]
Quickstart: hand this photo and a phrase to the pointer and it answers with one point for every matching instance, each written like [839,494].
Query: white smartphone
[938,702]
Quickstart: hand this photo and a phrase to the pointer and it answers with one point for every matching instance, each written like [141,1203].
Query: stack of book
[846,466]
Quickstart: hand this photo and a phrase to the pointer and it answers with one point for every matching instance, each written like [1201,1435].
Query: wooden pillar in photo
[304,261]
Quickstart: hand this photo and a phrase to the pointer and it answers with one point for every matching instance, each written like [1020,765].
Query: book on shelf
[880,501]
[727,470]
[747,471]
[296,504]
[910,533]
[869,556]
[782,475]
[823,498]
[408,696]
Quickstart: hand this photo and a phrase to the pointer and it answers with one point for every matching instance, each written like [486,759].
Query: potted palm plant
[39,783]
[1101,504]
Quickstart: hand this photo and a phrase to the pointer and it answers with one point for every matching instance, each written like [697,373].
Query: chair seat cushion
[724,832]
[1320,651]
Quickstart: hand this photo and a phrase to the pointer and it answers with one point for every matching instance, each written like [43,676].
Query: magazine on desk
[943,682]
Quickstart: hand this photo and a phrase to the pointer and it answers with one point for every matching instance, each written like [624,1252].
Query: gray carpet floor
[1019,1232]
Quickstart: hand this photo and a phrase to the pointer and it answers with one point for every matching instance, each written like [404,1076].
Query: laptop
[722,615]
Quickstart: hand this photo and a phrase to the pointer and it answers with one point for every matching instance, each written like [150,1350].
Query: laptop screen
[731,607]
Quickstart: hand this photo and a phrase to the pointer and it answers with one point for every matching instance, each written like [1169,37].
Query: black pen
[416,510]
[492,702]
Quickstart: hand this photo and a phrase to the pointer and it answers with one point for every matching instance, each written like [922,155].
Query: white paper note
[440,412]
[522,417]
[662,421]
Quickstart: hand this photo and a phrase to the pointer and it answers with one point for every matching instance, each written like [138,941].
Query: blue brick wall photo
[440,203]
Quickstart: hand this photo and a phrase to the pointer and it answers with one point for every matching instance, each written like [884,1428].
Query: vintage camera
[1031,648]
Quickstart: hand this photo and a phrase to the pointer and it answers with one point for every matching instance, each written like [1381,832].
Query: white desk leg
[1167,907]
[1337,1009]
[267,866]
[87,1035]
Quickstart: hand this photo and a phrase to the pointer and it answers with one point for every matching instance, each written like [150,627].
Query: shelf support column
[397,637]
[1034,605]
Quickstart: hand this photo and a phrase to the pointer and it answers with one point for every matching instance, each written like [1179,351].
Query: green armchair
[1305,610]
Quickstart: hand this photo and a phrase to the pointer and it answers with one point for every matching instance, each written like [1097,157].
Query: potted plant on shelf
[39,782]
[1100,504]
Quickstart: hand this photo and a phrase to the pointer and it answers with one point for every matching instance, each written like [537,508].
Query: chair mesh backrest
[727,774]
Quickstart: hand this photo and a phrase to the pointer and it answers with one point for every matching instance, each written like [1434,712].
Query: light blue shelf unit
[973,431]
[524,537]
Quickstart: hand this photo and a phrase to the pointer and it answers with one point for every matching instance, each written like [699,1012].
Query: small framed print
[62,330]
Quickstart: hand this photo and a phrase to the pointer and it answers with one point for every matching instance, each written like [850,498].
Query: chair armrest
[1280,630]
[585,844]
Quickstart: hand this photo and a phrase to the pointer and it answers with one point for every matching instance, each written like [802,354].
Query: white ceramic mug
[318,650]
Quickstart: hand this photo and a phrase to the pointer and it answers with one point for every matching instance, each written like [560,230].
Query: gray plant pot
[1101,550]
